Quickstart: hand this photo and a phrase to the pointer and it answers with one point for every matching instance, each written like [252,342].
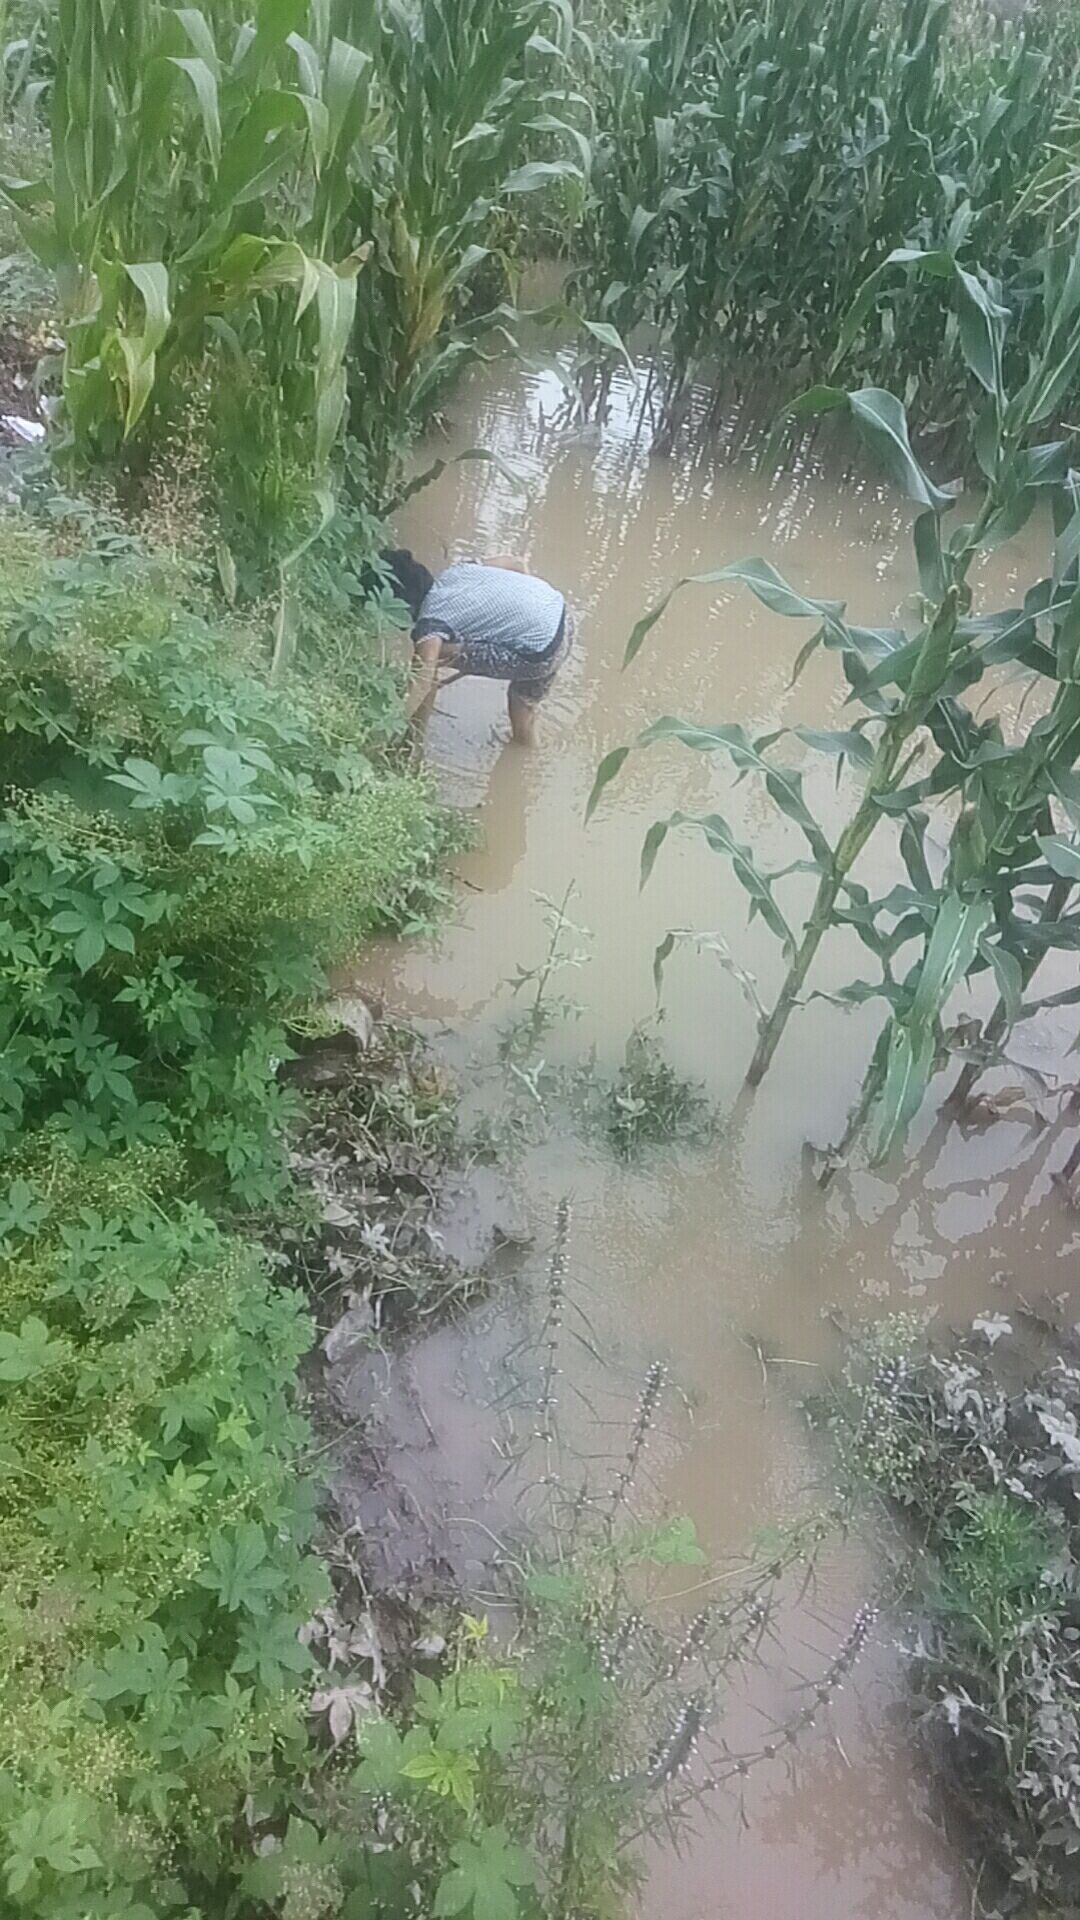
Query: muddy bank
[409,1265]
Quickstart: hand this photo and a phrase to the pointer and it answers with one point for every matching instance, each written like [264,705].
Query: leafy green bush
[152,1534]
[182,850]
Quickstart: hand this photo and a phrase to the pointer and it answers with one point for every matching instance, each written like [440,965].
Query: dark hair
[410,579]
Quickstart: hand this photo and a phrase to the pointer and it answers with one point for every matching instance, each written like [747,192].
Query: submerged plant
[649,1104]
[537,982]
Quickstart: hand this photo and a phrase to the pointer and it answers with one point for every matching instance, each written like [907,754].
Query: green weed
[649,1104]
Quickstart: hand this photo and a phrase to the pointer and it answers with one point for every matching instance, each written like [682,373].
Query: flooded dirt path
[712,1259]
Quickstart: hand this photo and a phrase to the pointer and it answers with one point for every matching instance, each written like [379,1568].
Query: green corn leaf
[954,941]
[784,785]
[610,765]
[139,369]
[662,955]
[983,321]
[439,467]
[757,884]
[958,925]
[1061,854]
[765,583]
[151,277]
[883,423]
[538,173]
[927,537]
[907,1076]
[200,37]
[845,743]
[1008,974]
[308,64]
[347,74]
[913,850]
[206,93]
[938,263]
[1068,642]
[930,670]
[651,846]
[816,400]
[608,336]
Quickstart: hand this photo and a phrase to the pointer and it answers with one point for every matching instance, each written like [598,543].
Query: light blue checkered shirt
[493,608]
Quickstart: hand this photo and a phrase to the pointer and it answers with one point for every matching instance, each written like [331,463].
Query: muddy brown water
[708,1259]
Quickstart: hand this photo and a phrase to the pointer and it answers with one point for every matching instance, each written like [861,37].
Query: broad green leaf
[484,1877]
[883,424]
[1062,855]
[29,1352]
[206,93]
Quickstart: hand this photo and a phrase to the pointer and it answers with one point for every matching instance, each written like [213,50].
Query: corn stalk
[1004,850]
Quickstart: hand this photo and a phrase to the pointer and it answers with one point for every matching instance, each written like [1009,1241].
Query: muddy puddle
[726,1263]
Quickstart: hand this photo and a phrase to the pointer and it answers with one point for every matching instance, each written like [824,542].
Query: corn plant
[1001,901]
[197,206]
[465,91]
[751,164]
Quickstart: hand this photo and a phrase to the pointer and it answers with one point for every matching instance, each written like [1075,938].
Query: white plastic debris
[31,431]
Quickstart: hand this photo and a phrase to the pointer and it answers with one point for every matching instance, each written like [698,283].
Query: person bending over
[489,618]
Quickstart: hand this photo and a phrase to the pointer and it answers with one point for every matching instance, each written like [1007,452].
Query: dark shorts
[531,675]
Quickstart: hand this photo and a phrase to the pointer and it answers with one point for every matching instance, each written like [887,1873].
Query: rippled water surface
[734,1252]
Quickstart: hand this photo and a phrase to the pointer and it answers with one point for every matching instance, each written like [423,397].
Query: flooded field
[729,1263]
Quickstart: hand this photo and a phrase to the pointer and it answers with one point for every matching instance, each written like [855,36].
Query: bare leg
[522,719]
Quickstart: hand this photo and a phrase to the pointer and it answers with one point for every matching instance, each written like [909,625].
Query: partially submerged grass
[979,1447]
[649,1104]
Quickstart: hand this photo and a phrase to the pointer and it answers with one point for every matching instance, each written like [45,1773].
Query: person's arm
[506,561]
[425,667]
